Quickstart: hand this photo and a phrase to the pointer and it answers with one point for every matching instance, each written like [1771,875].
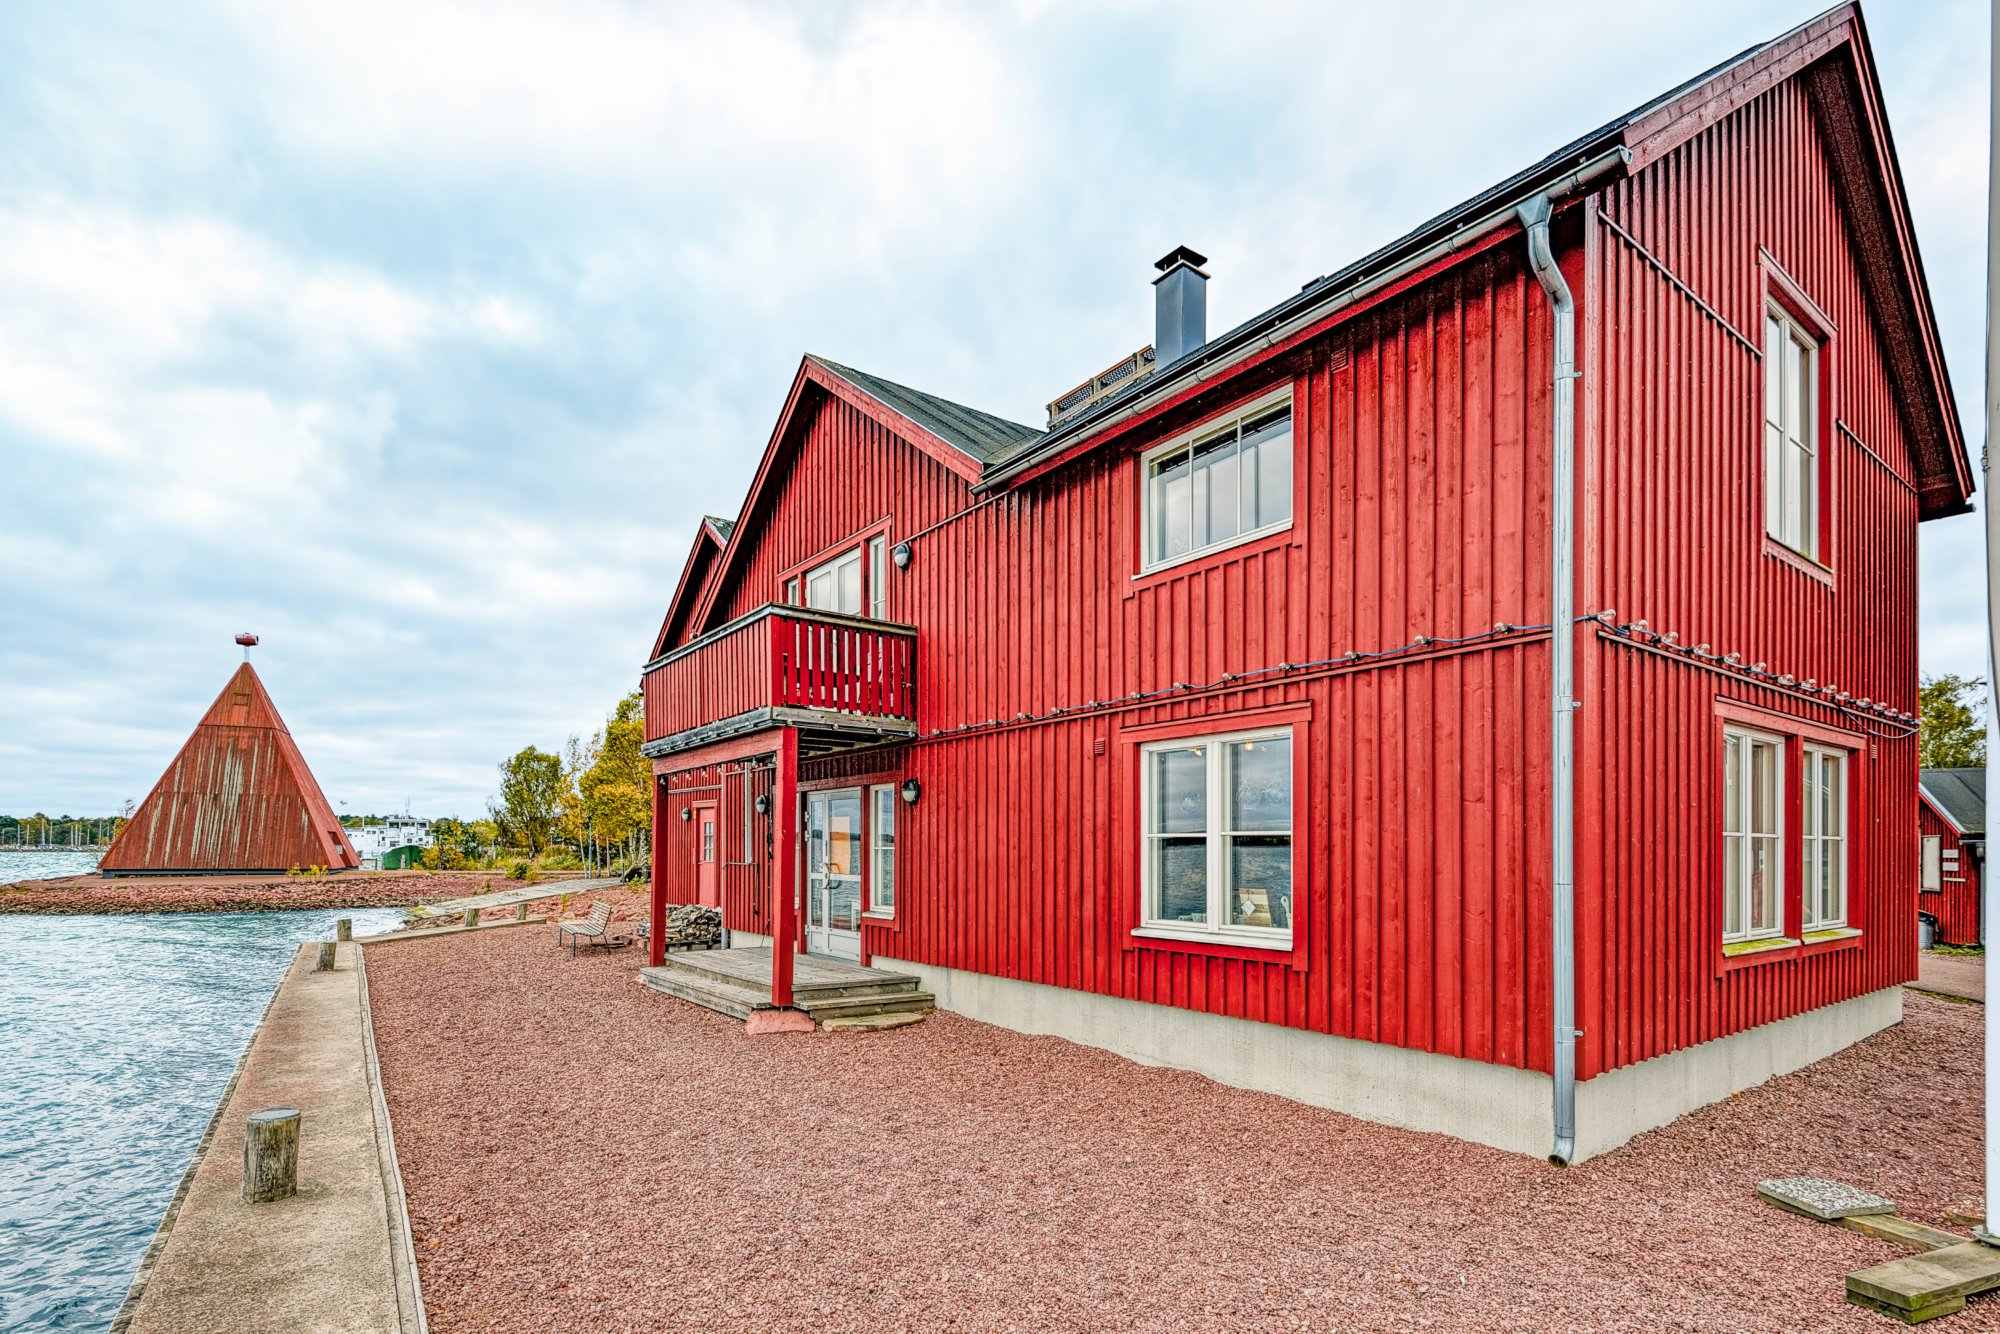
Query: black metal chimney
[1180,306]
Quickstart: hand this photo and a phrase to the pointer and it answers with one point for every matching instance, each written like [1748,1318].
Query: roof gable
[954,435]
[709,540]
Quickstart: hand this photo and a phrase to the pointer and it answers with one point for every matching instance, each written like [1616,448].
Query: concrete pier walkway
[336,1256]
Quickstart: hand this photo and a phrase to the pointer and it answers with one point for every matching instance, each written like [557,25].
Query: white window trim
[875,910]
[1261,937]
[1809,890]
[1147,565]
[1809,409]
[1748,936]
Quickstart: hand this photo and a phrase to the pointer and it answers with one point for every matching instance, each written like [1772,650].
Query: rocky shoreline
[226,893]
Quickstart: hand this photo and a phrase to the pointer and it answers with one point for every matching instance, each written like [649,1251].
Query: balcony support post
[785,866]
[656,941]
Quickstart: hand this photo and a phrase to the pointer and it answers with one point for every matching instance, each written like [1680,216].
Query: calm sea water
[44,863]
[117,1035]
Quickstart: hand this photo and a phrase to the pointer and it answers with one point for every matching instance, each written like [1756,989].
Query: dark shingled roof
[1960,794]
[983,437]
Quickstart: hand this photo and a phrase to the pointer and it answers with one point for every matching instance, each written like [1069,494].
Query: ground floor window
[1785,819]
[1753,878]
[1823,830]
[882,850]
[1218,835]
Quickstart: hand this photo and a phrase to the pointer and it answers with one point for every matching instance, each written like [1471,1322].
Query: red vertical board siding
[1420,435]
[1674,526]
[1955,904]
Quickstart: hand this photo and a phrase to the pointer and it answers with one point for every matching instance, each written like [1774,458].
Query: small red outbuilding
[1951,822]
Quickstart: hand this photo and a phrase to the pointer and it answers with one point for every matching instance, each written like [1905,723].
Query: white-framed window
[1217,860]
[878,583]
[882,850]
[1229,481]
[836,585]
[1823,835]
[791,592]
[1791,462]
[1753,880]
[1931,869]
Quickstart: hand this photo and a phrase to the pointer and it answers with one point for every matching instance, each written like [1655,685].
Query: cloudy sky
[416,337]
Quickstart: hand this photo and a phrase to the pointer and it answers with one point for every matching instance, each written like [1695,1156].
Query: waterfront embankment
[334,1256]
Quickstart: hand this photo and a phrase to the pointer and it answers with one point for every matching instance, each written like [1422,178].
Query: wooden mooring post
[271,1155]
[344,929]
[325,964]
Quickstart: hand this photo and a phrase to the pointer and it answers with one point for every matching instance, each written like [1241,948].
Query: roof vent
[1180,305]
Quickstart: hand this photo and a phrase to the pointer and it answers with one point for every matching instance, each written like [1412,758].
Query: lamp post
[1988,888]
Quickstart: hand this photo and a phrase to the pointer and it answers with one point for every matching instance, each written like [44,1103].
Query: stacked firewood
[694,926]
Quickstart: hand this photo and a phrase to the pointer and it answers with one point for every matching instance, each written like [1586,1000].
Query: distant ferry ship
[395,846]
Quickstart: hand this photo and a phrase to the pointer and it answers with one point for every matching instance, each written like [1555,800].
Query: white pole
[1990,914]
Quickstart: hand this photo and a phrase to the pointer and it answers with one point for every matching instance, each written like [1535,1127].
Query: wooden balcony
[843,681]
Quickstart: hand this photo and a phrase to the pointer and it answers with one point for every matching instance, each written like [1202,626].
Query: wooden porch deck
[833,992]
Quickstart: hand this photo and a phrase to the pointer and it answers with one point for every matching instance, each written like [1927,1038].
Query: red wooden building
[1951,851]
[1476,693]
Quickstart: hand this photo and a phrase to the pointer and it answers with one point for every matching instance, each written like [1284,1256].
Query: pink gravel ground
[582,1153]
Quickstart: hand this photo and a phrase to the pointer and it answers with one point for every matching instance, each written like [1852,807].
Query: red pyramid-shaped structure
[237,798]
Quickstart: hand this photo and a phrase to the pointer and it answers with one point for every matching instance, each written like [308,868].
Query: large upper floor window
[1226,482]
[853,583]
[1218,836]
[1791,455]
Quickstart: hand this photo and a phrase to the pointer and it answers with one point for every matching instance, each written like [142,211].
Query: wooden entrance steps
[737,982]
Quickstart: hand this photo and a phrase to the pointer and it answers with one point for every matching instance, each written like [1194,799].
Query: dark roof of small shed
[1959,795]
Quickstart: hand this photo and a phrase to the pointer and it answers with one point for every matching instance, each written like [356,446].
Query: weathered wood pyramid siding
[238,797]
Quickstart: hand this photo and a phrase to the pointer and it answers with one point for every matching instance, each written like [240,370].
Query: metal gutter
[1534,215]
[1317,302]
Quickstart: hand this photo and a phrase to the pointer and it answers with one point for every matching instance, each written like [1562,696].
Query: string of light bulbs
[1426,646]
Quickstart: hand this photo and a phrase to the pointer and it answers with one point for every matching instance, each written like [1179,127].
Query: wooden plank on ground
[1889,1227]
[1926,1286]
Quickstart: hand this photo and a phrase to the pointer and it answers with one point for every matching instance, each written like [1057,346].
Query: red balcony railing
[783,659]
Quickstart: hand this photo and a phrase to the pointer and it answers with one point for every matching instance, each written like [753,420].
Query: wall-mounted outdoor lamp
[687,813]
[902,555]
[763,804]
[912,789]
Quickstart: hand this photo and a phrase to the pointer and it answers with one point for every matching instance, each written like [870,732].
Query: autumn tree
[530,799]
[1951,722]
[617,788]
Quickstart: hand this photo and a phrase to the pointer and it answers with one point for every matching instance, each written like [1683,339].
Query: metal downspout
[1534,215]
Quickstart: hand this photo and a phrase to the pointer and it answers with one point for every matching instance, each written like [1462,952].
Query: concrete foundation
[1488,1104]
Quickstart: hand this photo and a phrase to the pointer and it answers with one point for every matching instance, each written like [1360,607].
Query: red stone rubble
[584,1154]
[240,893]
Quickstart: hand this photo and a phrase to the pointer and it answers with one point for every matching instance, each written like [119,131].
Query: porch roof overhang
[820,732]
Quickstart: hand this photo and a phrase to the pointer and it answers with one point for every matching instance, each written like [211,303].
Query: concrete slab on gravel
[1960,975]
[1828,1201]
[324,1259]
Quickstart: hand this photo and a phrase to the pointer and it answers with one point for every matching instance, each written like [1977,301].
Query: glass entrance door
[833,873]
